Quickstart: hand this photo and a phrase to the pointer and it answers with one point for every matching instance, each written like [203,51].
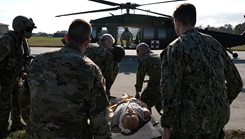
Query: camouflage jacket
[198,83]
[103,59]
[115,71]
[149,64]
[68,98]
[14,53]
[127,35]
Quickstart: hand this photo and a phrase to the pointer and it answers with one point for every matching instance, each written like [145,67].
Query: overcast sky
[209,12]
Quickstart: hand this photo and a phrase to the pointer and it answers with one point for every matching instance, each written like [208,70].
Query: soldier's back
[99,55]
[153,63]
[61,84]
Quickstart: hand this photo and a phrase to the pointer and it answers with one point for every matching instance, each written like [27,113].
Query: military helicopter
[156,31]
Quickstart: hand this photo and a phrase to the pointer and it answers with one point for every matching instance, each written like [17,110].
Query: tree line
[228,28]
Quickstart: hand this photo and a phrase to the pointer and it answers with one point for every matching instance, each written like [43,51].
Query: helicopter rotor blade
[154,12]
[101,10]
[106,2]
[161,2]
[126,6]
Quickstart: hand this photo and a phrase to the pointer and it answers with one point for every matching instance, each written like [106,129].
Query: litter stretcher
[150,130]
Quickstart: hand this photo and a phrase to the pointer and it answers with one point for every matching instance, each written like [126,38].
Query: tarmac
[126,80]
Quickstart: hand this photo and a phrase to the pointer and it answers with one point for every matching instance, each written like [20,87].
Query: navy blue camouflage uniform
[199,82]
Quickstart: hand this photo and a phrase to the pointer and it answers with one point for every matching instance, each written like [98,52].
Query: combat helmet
[118,53]
[24,25]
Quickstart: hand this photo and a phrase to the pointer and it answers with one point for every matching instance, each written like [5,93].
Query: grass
[21,134]
[56,42]
[45,42]
[229,134]
[238,48]
[235,134]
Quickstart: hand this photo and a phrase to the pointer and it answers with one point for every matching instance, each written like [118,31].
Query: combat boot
[17,126]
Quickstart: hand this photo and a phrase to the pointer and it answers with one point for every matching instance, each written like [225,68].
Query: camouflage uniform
[115,71]
[13,54]
[103,59]
[25,101]
[138,37]
[67,90]
[149,64]
[15,106]
[199,82]
[128,36]
[117,53]
[20,106]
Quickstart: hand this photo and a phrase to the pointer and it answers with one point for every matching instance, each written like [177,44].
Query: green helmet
[23,25]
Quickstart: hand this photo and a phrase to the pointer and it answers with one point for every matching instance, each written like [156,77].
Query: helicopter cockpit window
[94,32]
[148,33]
[161,33]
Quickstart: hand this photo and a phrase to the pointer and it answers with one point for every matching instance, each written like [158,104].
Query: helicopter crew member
[102,57]
[199,82]
[14,57]
[115,35]
[149,64]
[128,36]
[138,37]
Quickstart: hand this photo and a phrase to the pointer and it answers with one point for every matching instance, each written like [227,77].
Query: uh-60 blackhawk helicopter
[156,31]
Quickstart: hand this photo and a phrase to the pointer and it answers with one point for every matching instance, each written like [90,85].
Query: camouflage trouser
[15,104]
[25,102]
[127,41]
[5,107]
[115,72]
[152,97]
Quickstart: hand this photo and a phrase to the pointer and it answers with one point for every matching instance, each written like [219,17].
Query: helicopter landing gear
[235,55]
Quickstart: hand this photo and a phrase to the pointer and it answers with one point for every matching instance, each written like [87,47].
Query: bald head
[130,120]
[142,48]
